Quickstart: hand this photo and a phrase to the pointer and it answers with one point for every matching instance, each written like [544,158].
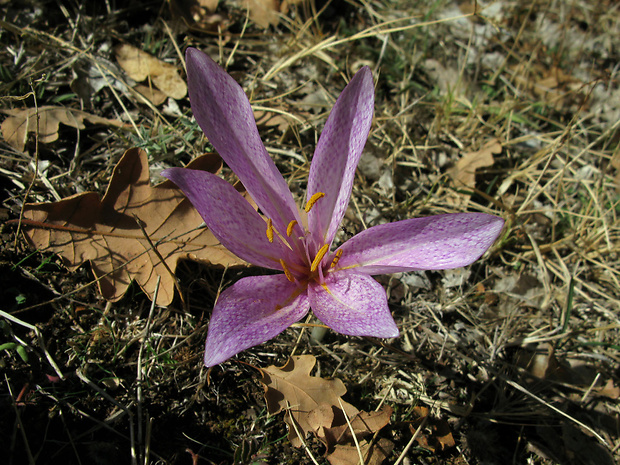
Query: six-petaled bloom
[336,284]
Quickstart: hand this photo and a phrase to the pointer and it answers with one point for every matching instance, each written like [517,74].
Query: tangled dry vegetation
[505,107]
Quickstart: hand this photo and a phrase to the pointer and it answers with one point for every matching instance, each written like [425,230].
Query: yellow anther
[269,230]
[287,272]
[313,200]
[319,256]
[336,258]
[289,228]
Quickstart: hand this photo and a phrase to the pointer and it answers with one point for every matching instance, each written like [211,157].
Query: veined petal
[353,304]
[224,113]
[337,155]
[432,243]
[230,217]
[250,312]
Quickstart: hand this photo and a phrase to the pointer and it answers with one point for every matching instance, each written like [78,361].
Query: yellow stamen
[313,200]
[269,230]
[288,274]
[319,256]
[289,228]
[336,258]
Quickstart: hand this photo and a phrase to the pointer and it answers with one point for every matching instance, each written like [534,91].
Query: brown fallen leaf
[140,65]
[269,119]
[363,424]
[436,436]
[341,446]
[19,123]
[264,12]
[609,390]
[541,362]
[551,86]
[314,406]
[463,173]
[152,94]
[267,13]
[210,5]
[373,453]
[200,15]
[105,231]
[292,388]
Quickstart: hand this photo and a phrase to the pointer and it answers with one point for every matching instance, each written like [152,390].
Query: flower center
[301,267]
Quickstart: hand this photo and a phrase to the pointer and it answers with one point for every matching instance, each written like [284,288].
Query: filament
[287,272]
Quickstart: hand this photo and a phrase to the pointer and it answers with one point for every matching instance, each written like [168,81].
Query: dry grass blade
[357,444]
[300,436]
[558,411]
[415,435]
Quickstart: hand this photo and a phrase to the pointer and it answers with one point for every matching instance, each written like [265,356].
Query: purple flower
[336,284]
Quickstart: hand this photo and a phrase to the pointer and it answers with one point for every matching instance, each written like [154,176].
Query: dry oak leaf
[19,123]
[609,390]
[373,453]
[140,65]
[363,424]
[291,388]
[314,405]
[341,446]
[199,15]
[437,436]
[266,13]
[463,173]
[106,232]
[551,86]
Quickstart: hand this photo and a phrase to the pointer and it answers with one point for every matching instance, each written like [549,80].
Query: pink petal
[337,155]
[250,312]
[353,304]
[433,243]
[224,113]
[230,217]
